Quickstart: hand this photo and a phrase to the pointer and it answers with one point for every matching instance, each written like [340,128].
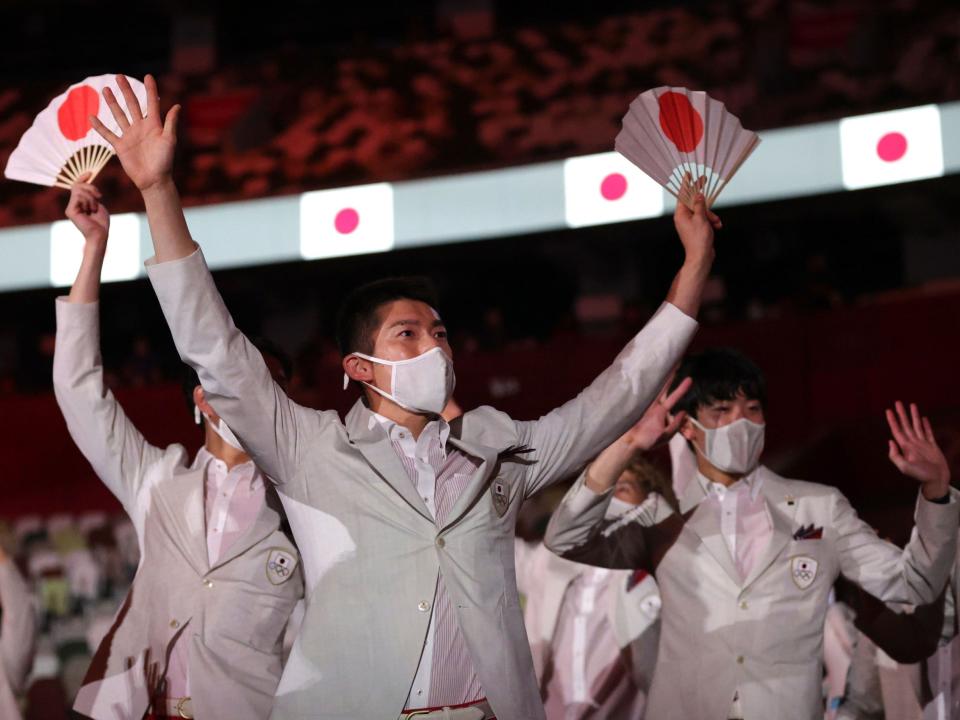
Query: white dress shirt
[746,528]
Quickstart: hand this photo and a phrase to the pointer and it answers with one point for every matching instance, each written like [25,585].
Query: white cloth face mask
[618,508]
[221,429]
[423,384]
[733,448]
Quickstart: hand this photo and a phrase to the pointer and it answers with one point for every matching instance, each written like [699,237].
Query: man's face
[408,328]
[717,413]
[628,489]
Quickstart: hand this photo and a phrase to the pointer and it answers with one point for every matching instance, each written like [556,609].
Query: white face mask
[733,448]
[618,508]
[221,429]
[423,384]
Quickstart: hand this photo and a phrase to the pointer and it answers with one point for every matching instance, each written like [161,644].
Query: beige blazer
[233,613]
[762,634]
[371,550]
[633,610]
[18,636]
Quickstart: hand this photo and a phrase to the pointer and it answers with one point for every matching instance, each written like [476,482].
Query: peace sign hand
[145,146]
[657,425]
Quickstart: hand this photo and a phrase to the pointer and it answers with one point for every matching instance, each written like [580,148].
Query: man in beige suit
[405,522]
[199,634]
[746,567]
[593,632]
[18,635]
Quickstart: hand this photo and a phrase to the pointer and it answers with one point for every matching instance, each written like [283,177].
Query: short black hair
[358,317]
[189,379]
[718,374]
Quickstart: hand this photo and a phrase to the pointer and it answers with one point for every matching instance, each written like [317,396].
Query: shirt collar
[751,481]
[438,428]
[246,470]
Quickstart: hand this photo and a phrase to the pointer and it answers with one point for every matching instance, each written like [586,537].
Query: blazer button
[174,624]
[208,583]
[441,542]
[423,606]
[740,659]
[743,605]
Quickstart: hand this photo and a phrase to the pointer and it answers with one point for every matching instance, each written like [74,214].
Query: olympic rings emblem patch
[803,571]
[280,566]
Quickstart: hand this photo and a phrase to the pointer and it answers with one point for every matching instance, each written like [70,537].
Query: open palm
[145,145]
[914,449]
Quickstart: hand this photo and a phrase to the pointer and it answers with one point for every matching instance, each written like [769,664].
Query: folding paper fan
[61,144]
[670,132]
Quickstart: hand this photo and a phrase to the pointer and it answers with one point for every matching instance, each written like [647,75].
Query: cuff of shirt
[154,265]
[67,310]
[675,315]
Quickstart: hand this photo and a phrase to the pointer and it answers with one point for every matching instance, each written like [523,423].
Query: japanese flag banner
[346,221]
[607,188]
[891,147]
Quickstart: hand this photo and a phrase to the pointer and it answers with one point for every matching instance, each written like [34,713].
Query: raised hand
[695,227]
[657,425]
[145,146]
[88,213]
[915,452]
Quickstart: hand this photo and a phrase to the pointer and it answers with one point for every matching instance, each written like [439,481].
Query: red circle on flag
[346,221]
[73,116]
[680,121]
[614,186]
[892,146]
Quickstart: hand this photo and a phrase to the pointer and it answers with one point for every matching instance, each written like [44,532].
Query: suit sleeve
[563,440]
[98,425]
[18,633]
[915,576]
[234,376]
[578,531]
[907,637]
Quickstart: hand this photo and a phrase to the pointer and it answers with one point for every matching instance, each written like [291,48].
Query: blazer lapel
[782,508]
[705,523]
[369,438]
[268,520]
[478,483]
[185,518]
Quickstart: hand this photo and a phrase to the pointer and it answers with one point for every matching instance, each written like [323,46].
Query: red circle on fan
[73,117]
[892,146]
[346,221]
[613,187]
[680,121]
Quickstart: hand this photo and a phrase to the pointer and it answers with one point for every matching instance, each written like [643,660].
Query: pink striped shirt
[446,674]
[744,519]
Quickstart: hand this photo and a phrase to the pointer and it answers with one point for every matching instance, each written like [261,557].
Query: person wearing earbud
[199,633]
[746,566]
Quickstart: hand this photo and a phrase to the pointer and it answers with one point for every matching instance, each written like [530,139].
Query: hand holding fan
[672,132]
[61,145]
